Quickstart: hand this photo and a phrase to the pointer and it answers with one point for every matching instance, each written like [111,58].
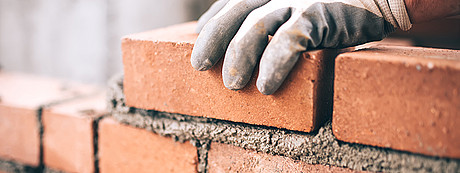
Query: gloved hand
[240,29]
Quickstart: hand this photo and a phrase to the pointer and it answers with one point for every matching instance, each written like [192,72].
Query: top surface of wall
[29,91]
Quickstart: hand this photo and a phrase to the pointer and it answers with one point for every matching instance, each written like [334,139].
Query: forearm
[426,10]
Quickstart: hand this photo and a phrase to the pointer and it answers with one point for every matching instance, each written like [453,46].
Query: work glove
[240,29]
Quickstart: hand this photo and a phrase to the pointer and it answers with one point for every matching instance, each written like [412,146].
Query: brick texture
[399,97]
[228,158]
[158,76]
[68,133]
[124,148]
[20,98]
[387,41]
[19,135]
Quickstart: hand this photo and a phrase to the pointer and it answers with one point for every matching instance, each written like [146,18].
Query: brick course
[403,98]
[158,76]
[127,149]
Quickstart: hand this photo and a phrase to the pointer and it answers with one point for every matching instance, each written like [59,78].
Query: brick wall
[394,110]
[48,122]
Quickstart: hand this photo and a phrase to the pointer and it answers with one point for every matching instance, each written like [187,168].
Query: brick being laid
[159,76]
[404,98]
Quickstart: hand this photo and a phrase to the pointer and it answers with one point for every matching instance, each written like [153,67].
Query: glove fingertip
[264,88]
[233,83]
[201,65]
[232,87]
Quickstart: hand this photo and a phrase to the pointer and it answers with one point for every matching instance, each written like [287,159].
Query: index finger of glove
[215,36]
[246,48]
[283,51]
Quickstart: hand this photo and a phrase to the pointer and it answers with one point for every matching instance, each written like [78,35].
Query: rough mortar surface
[319,147]
[10,166]
[51,170]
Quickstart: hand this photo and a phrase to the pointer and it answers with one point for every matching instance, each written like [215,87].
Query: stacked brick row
[48,122]
[394,109]
[50,125]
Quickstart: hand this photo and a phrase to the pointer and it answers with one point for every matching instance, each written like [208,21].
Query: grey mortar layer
[320,147]
[51,170]
[11,166]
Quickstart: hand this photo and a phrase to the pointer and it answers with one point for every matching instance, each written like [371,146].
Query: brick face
[158,75]
[399,97]
[68,133]
[68,143]
[127,149]
[19,136]
[228,158]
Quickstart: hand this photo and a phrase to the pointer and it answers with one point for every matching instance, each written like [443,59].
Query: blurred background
[80,39]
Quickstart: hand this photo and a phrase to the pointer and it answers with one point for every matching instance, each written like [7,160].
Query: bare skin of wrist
[426,10]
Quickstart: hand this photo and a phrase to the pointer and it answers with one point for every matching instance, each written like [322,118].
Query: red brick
[20,98]
[399,97]
[127,149]
[68,133]
[19,134]
[387,41]
[159,76]
[228,158]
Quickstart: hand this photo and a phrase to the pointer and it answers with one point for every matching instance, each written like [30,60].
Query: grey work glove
[240,29]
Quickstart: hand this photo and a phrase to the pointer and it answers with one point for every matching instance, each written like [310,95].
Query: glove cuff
[398,8]
[394,11]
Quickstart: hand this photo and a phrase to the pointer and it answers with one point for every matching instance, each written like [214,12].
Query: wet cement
[319,147]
